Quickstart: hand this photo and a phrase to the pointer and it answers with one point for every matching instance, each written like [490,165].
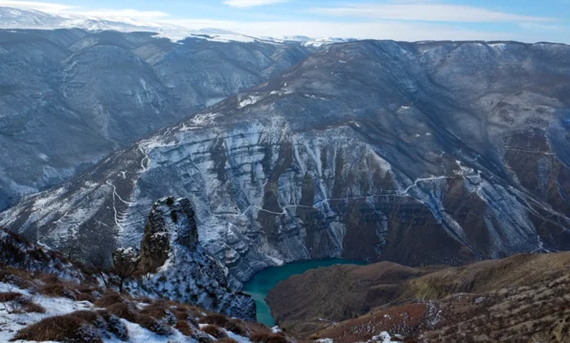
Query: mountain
[517,299]
[417,153]
[68,98]
[16,18]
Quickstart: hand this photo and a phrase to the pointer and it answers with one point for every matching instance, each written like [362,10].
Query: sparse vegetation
[229,324]
[214,331]
[265,337]
[70,328]
[14,302]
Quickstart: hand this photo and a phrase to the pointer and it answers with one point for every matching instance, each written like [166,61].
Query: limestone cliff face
[177,267]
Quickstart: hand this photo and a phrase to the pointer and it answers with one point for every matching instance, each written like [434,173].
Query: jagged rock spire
[177,267]
[167,213]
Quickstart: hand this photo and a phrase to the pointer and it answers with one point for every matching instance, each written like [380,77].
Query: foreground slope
[523,298]
[437,152]
[45,297]
[68,98]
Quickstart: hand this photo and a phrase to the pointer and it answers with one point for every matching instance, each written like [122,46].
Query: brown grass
[18,303]
[29,306]
[57,289]
[115,325]
[264,337]
[226,340]
[184,328]
[66,328]
[229,324]
[215,331]
[86,297]
[153,325]
[108,299]
[16,277]
[161,311]
[125,311]
[10,296]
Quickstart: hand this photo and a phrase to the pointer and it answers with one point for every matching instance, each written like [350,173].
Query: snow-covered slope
[70,97]
[417,153]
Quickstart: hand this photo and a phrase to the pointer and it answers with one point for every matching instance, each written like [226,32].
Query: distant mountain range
[15,18]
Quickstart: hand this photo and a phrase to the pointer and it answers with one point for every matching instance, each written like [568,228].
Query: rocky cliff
[436,152]
[177,267]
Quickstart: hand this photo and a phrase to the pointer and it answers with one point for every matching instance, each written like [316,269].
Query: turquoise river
[260,285]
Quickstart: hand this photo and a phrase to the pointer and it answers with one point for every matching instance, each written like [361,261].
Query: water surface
[260,285]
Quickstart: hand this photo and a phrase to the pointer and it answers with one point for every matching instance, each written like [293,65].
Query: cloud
[404,31]
[34,5]
[123,14]
[425,10]
[251,3]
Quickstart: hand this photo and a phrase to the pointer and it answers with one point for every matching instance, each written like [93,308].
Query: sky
[408,20]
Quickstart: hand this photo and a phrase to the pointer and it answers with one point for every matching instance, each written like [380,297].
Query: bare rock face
[156,241]
[177,267]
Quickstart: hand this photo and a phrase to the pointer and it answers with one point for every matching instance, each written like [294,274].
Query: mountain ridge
[103,90]
[416,153]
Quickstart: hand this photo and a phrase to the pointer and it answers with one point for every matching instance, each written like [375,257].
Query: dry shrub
[110,298]
[186,313]
[48,278]
[125,311]
[226,340]
[229,324]
[181,314]
[215,319]
[61,328]
[202,337]
[29,306]
[76,327]
[18,303]
[115,325]
[184,328]
[86,297]
[16,277]
[10,296]
[153,325]
[214,331]
[57,290]
[146,300]
[87,293]
[264,337]
[161,312]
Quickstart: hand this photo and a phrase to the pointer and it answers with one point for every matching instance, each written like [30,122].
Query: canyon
[417,153]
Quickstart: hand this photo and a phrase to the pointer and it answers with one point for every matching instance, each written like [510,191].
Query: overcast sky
[411,20]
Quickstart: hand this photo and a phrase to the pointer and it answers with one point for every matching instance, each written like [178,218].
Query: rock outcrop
[177,267]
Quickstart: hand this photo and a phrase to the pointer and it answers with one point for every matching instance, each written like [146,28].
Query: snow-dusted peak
[15,18]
